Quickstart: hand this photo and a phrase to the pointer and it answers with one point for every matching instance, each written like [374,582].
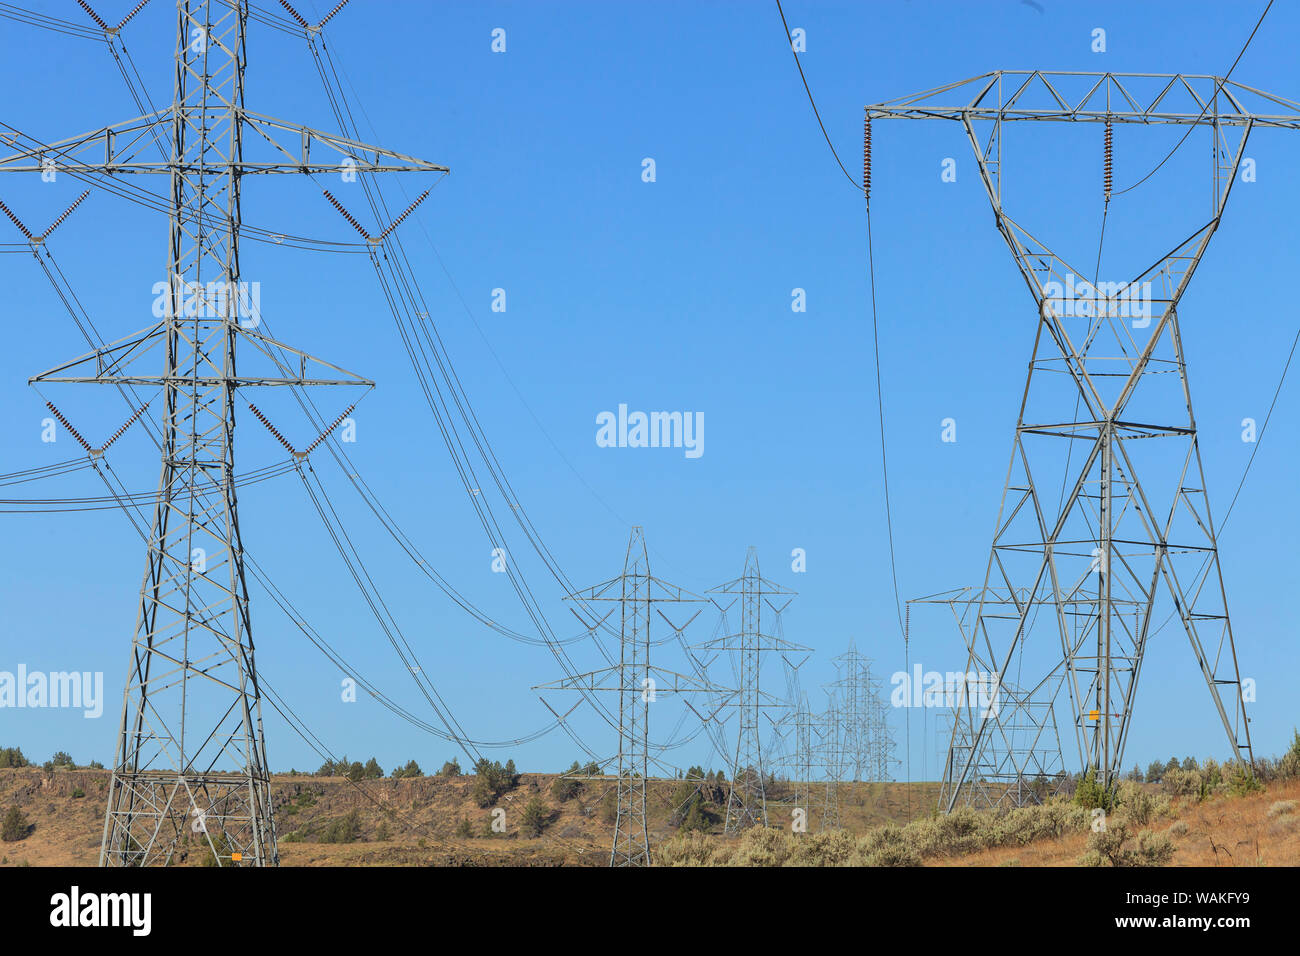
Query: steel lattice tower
[1135,523]
[798,758]
[637,684]
[830,731]
[747,802]
[191,755]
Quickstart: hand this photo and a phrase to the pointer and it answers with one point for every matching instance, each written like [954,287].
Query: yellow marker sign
[237,857]
[1094,715]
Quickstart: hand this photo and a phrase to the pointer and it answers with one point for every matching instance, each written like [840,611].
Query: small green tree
[223,850]
[345,829]
[450,769]
[1090,793]
[536,816]
[356,771]
[1155,771]
[372,770]
[12,757]
[464,829]
[14,827]
[334,768]
[63,760]
[412,769]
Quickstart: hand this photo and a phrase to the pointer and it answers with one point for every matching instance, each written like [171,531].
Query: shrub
[1183,783]
[609,807]
[700,816]
[687,849]
[887,846]
[1242,781]
[63,761]
[346,829]
[1139,805]
[78,793]
[1109,848]
[536,816]
[382,833]
[493,780]
[566,787]
[223,850]
[1281,808]
[1179,828]
[828,848]
[450,769]
[762,846]
[15,826]
[463,829]
[1090,794]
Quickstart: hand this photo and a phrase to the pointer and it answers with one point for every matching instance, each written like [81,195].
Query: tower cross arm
[269,146]
[1152,99]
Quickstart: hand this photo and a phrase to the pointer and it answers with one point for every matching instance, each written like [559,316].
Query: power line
[1217,87]
[811,101]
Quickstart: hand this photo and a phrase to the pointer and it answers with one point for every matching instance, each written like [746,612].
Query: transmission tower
[1134,524]
[747,802]
[880,754]
[798,758]
[637,684]
[191,755]
[830,729]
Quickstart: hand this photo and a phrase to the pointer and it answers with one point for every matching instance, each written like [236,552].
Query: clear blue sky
[666,295]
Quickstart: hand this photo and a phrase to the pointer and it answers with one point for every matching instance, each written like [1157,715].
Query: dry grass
[1261,828]
[1222,831]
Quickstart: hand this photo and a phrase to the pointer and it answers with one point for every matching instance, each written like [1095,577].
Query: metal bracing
[1134,524]
[191,756]
[1020,760]
[637,683]
[759,634]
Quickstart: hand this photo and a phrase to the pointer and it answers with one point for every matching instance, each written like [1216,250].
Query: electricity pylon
[637,684]
[830,729]
[1134,521]
[191,755]
[747,802]
[798,757]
